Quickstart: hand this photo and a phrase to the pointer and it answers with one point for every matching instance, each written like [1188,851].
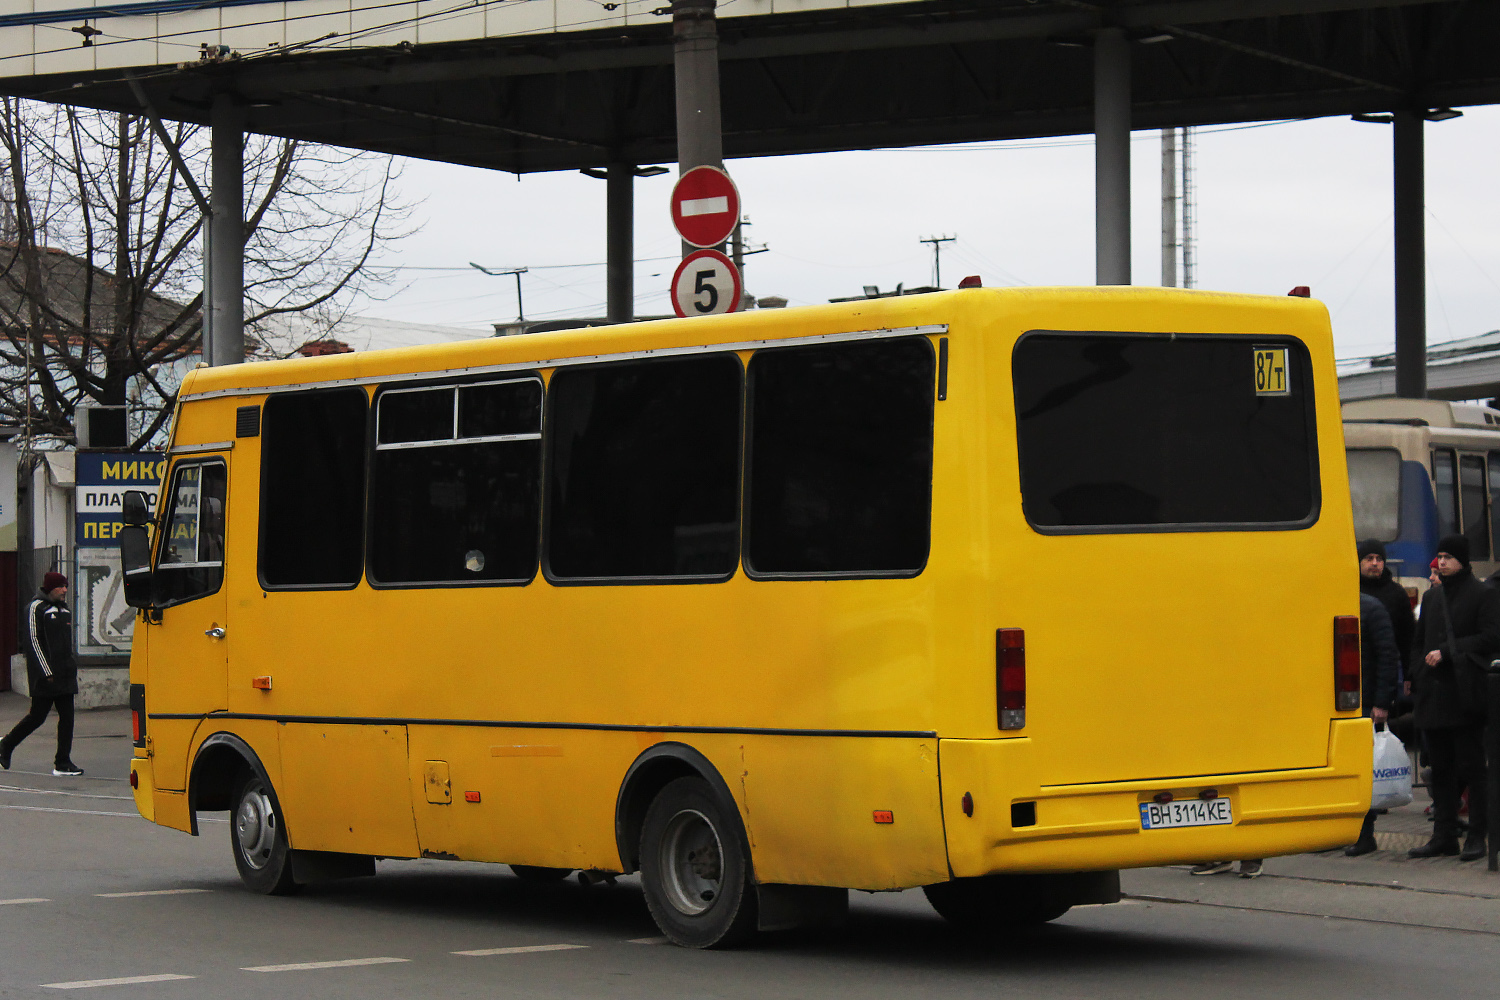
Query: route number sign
[706,283]
[705,206]
[1270,372]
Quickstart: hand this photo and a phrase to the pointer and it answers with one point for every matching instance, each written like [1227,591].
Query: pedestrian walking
[1377,650]
[1458,635]
[52,673]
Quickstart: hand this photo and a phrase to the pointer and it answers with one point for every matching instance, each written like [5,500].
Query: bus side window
[456,493]
[643,469]
[1471,492]
[840,459]
[312,489]
[190,563]
[1445,486]
[1494,480]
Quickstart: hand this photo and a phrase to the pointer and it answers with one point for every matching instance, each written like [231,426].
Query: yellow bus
[968,590]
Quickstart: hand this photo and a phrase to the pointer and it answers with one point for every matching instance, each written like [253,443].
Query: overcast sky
[1297,203]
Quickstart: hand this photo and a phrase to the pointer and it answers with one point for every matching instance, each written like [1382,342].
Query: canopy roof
[528,85]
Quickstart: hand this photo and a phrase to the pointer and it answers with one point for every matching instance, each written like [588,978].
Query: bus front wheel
[998,902]
[257,836]
[694,868]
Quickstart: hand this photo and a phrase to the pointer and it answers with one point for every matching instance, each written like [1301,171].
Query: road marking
[340,964]
[49,774]
[523,949]
[13,902]
[651,940]
[54,791]
[84,984]
[148,892]
[76,812]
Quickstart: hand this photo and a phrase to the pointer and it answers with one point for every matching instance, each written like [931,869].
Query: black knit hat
[1373,547]
[1456,546]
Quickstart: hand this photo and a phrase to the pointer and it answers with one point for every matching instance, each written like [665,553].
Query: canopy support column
[224,305]
[1112,157]
[1411,255]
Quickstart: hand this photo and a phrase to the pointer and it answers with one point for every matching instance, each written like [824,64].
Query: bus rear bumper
[1096,827]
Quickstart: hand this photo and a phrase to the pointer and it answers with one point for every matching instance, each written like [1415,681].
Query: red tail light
[1346,667]
[1010,677]
[135,725]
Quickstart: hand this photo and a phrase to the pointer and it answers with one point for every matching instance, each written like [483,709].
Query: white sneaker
[1250,869]
[1213,868]
[68,771]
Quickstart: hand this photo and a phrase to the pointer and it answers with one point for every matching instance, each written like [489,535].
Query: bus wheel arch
[651,772]
[222,762]
[227,774]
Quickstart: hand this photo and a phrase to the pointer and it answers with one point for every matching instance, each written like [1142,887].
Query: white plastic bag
[1392,772]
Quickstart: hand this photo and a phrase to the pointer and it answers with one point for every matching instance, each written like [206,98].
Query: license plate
[1190,812]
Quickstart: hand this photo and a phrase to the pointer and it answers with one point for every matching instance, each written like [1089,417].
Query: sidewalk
[101,743]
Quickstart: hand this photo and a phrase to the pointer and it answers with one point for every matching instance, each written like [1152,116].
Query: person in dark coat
[1377,650]
[1375,579]
[52,673]
[1457,636]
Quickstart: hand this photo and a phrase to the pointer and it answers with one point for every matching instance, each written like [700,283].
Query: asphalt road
[89,892]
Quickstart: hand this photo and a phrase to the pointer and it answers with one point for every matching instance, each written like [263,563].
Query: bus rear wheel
[997,902]
[695,869]
[536,873]
[257,835]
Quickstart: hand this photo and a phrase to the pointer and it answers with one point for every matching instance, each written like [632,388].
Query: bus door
[188,648]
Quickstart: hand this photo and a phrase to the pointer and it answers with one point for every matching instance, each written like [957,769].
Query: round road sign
[705,206]
[706,282]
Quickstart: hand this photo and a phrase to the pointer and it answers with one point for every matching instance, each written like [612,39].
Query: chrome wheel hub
[691,862]
[255,827]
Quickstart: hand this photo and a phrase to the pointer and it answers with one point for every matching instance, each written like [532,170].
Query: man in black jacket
[1458,635]
[1377,648]
[1375,580]
[52,673]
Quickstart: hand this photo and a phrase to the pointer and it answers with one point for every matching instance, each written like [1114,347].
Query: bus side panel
[344,788]
[816,806]
[545,796]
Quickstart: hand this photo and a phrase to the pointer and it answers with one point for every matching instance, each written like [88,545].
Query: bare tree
[101,257]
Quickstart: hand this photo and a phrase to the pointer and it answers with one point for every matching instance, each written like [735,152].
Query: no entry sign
[705,206]
[706,282]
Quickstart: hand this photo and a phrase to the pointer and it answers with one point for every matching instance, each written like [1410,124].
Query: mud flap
[784,907]
[325,866]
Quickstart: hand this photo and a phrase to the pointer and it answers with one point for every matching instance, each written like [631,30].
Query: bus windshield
[1375,487]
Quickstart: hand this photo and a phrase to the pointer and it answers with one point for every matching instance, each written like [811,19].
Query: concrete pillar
[1411,256]
[700,132]
[695,38]
[619,242]
[224,304]
[1169,207]
[1112,157]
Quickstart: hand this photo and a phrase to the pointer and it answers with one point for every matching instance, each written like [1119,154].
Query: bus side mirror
[135,511]
[135,559]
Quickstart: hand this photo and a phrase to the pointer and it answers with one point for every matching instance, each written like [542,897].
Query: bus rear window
[1375,489]
[1159,432]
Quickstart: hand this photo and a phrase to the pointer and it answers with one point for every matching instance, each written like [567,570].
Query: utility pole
[1169,207]
[1189,213]
[937,257]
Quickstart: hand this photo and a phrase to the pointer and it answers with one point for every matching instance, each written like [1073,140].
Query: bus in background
[767,606]
[1420,469]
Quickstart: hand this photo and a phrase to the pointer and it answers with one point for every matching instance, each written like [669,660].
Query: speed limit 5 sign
[706,283]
